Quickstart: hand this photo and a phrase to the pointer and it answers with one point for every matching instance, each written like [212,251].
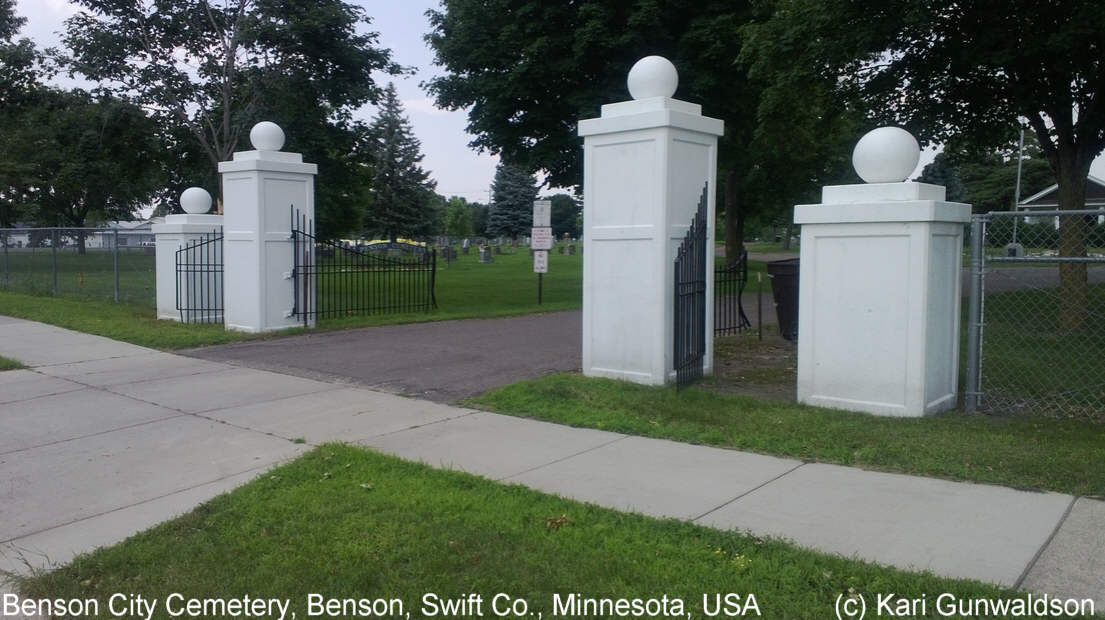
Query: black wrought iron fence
[199,279]
[729,282]
[690,301]
[336,279]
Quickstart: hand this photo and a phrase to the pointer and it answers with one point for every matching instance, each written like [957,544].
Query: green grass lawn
[132,323]
[9,364]
[344,522]
[1030,453]
[1029,361]
[89,276]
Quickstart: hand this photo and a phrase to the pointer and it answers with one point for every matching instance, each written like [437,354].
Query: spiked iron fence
[690,301]
[335,279]
[199,280]
[1036,314]
[729,283]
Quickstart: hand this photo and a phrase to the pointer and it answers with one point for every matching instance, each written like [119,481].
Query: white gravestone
[645,164]
[262,189]
[879,291]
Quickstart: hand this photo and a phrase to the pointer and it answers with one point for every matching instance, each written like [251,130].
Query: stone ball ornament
[652,76]
[267,136]
[195,201]
[886,155]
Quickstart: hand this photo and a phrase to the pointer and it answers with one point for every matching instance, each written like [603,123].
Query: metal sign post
[541,241]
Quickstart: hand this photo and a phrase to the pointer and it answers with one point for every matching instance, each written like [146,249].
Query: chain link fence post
[7,282]
[115,261]
[54,257]
[974,313]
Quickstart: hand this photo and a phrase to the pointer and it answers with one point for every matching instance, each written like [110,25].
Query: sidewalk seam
[749,491]
[104,432]
[563,458]
[1047,543]
[277,463]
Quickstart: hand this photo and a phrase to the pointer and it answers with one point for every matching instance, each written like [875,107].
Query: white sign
[540,261]
[542,213]
[542,238]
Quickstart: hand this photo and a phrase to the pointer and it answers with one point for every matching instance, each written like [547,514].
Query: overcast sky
[401,24]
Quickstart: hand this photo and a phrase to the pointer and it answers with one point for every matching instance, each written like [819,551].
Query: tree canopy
[967,74]
[527,71]
[208,71]
[67,158]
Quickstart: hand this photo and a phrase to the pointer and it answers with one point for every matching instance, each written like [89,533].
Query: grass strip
[136,324]
[1031,453]
[344,522]
[9,364]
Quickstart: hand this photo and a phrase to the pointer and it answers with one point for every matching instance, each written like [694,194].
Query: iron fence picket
[334,279]
[689,273]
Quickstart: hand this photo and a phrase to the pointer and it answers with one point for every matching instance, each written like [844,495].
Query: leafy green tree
[565,215]
[66,157]
[527,71]
[208,71]
[479,218]
[402,193]
[19,83]
[91,160]
[963,73]
[512,194]
[458,217]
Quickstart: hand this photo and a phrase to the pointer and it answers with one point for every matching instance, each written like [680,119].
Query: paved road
[445,361]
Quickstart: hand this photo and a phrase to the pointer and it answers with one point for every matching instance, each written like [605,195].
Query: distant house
[1048,200]
[136,234]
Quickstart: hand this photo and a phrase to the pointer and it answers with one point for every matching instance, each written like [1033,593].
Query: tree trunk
[734,220]
[789,232]
[80,242]
[1073,283]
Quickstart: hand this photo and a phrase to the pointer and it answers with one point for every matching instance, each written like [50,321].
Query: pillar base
[879,297]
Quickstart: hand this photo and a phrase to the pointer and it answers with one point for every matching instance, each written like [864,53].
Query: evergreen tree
[512,194]
[402,192]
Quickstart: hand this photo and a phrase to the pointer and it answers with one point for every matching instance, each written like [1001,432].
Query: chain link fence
[99,263]
[1036,314]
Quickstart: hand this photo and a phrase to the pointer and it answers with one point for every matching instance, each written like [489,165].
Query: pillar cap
[886,155]
[652,76]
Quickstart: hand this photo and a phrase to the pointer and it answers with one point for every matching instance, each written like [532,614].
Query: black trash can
[784,289]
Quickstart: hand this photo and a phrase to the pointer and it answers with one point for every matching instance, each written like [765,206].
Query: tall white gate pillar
[879,290]
[646,162]
[261,191]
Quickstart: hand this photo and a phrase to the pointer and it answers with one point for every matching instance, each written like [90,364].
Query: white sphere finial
[195,201]
[886,155]
[267,136]
[652,76]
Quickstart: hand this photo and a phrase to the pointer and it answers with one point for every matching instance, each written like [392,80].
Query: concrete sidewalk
[103,439]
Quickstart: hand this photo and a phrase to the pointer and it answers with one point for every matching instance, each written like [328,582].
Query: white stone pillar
[646,162]
[261,191]
[879,292]
[178,231]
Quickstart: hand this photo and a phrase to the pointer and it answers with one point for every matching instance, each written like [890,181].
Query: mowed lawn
[346,523]
[465,288]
